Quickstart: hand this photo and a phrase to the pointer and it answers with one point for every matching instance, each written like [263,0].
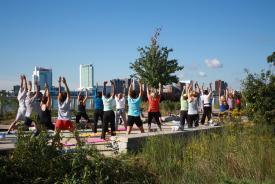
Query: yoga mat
[95,140]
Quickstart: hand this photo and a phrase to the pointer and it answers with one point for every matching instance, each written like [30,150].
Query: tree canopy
[154,66]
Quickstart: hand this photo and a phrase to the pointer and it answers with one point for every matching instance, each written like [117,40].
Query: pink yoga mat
[94,140]
[121,129]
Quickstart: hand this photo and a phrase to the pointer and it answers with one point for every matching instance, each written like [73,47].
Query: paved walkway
[113,145]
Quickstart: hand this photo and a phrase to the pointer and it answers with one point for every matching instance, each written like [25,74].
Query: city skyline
[213,40]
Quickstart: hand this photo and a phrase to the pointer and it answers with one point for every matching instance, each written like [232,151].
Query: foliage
[271,59]
[239,153]
[153,66]
[35,160]
[258,90]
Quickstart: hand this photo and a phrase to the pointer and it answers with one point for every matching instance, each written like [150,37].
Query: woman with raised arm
[29,103]
[120,107]
[134,112]
[223,104]
[108,115]
[193,105]
[81,107]
[63,121]
[183,107]
[230,99]
[207,108]
[45,112]
[98,109]
[22,94]
[153,110]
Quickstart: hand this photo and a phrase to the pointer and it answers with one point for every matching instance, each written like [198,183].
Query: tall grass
[238,154]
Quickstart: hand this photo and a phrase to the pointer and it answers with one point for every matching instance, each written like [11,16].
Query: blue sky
[62,34]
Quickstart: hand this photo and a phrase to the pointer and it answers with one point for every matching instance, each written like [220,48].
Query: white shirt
[64,110]
[29,104]
[120,103]
[206,100]
[22,94]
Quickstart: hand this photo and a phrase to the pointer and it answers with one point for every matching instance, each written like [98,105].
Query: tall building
[86,76]
[42,75]
[220,84]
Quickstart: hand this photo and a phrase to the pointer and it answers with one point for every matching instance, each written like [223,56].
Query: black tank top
[81,108]
[45,116]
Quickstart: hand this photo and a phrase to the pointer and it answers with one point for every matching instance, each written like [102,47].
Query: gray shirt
[64,109]
[193,106]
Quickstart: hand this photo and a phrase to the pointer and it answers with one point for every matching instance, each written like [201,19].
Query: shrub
[36,160]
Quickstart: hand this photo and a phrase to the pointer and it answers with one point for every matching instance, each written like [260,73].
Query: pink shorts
[64,124]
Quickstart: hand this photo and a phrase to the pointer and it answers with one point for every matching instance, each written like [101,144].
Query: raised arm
[160,89]
[104,88]
[113,89]
[140,88]
[197,88]
[21,81]
[189,89]
[48,94]
[124,89]
[211,91]
[36,92]
[79,93]
[220,90]
[25,83]
[130,87]
[59,89]
[86,96]
[66,88]
[148,91]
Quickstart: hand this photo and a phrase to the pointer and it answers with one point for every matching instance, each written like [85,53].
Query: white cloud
[213,63]
[202,74]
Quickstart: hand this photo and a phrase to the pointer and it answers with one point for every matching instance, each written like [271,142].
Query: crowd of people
[111,107]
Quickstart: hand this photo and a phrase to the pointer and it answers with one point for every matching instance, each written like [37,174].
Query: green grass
[238,154]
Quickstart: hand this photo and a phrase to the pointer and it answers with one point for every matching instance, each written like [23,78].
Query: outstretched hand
[59,79]
[64,80]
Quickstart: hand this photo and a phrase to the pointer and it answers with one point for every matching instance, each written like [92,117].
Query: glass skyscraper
[42,75]
[86,76]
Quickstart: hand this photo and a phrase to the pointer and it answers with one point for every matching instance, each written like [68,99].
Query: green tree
[259,93]
[153,65]
[271,59]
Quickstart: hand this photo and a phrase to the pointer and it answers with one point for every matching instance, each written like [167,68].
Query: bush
[259,93]
[35,160]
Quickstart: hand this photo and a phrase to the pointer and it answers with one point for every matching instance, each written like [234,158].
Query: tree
[153,65]
[271,59]
[260,96]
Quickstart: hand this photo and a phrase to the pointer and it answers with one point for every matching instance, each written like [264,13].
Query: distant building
[42,75]
[86,76]
[220,84]
[16,89]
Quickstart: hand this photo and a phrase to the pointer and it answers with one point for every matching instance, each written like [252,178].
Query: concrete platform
[121,143]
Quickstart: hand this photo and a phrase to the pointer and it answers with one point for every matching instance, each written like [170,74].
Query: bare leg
[12,126]
[141,129]
[129,129]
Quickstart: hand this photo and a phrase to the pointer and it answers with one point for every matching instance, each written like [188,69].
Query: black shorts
[134,119]
[28,121]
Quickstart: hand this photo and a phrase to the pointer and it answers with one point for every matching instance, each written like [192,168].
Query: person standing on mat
[81,107]
[22,94]
[153,110]
[108,115]
[63,121]
[134,111]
